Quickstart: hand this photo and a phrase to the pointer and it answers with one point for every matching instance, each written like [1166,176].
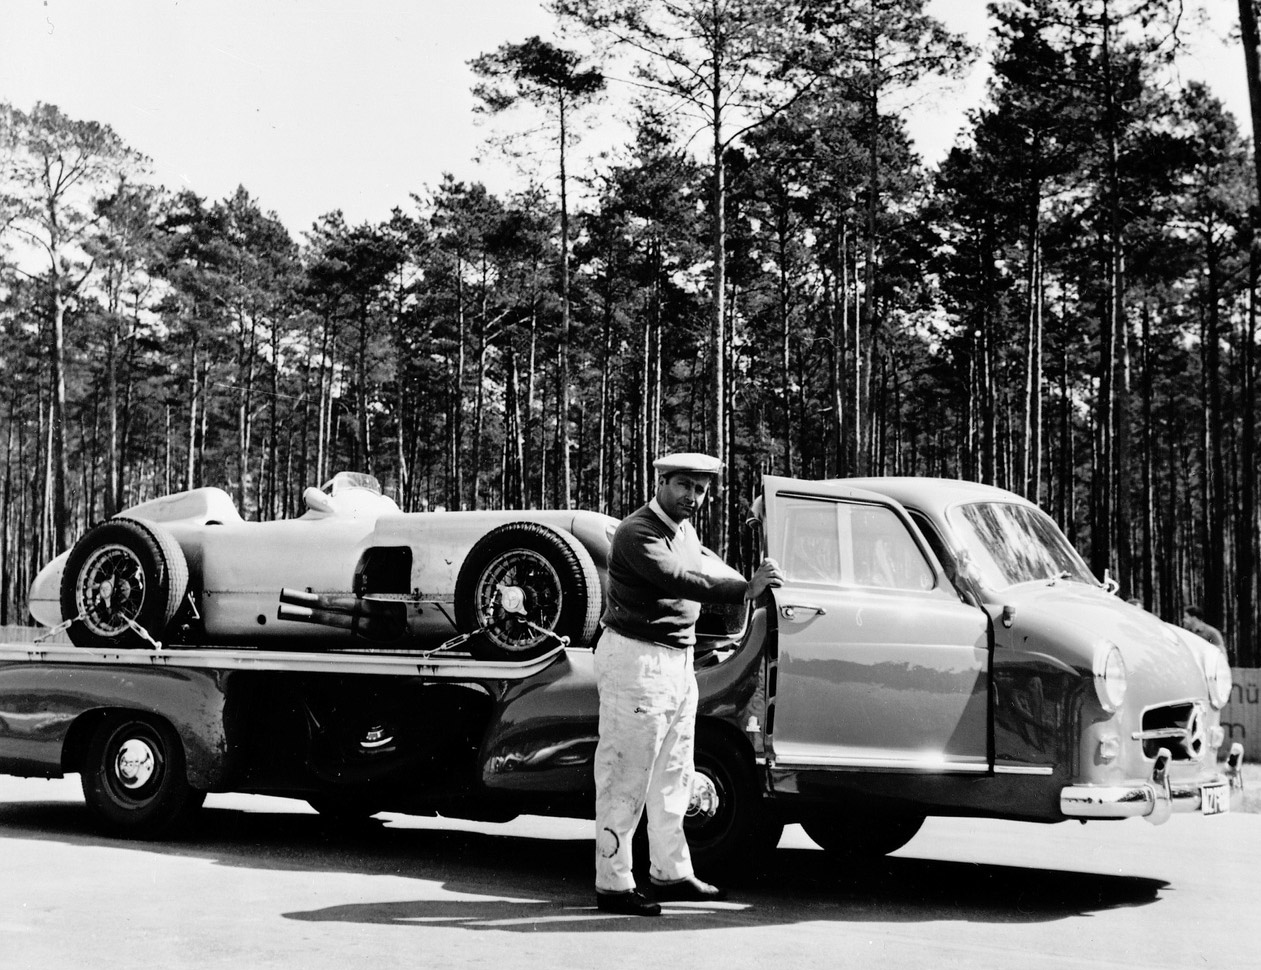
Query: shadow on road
[537,885]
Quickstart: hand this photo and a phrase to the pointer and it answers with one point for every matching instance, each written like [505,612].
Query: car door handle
[800,612]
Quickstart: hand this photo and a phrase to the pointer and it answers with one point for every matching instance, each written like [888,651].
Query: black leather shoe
[690,890]
[630,903]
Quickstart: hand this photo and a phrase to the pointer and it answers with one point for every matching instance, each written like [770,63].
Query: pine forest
[764,269]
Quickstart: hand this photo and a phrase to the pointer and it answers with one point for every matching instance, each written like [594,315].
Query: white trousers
[644,757]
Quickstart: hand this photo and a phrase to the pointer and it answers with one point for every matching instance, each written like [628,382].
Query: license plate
[1214,799]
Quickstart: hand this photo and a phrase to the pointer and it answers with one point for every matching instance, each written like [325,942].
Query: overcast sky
[316,105]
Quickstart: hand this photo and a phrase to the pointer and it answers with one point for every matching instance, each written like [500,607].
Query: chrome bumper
[1155,799]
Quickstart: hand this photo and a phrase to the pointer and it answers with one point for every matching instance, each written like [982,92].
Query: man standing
[1193,620]
[658,576]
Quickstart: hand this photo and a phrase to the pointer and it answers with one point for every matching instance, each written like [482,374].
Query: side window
[850,544]
[812,542]
[885,554]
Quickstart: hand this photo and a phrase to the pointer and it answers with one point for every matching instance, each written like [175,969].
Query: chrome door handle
[800,612]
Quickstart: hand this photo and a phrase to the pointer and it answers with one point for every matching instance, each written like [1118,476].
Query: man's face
[681,494]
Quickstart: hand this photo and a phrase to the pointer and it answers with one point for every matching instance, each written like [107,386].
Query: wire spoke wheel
[523,587]
[110,590]
[515,622]
[122,584]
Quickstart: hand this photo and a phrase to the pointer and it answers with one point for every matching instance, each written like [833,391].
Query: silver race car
[351,571]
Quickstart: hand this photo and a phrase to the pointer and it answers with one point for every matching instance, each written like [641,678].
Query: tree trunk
[562,353]
[1247,653]
[785,370]
[1030,459]
[59,467]
[479,395]
[112,483]
[6,568]
[1215,479]
[1249,650]
[190,471]
[718,327]
[604,471]
[1148,591]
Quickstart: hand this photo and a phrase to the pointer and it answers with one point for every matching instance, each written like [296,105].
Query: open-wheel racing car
[352,571]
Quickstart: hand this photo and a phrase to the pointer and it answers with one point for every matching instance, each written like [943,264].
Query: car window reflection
[850,544]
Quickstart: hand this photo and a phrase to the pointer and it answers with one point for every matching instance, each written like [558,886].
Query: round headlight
[1217,673]
[1109,676]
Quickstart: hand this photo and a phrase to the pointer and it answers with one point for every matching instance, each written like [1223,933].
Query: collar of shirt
[659,512]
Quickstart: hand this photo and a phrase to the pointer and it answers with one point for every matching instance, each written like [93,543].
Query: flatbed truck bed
[439,665]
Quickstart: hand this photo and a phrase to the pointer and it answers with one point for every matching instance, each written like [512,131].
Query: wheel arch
[204,764]
[717,730]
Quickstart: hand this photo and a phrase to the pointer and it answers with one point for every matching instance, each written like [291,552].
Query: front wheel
[122,585]
[134,779]
[857,837]
[736,831]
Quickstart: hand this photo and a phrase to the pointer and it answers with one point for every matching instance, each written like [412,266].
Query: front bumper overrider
[1154,799]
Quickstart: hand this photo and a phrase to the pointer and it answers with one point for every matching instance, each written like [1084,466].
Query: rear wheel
[522,587]
[861,836]
[134,779]
[121,578]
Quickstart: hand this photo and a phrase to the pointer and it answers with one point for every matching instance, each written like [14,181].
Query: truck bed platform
[447,665]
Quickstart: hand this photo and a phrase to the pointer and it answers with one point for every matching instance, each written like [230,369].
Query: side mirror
[316,500]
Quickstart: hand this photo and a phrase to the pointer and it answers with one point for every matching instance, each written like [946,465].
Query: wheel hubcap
[135,764]
[111,590]
[517,594]
[705,801]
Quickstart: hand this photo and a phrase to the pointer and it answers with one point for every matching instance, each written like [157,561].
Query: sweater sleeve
[708,579]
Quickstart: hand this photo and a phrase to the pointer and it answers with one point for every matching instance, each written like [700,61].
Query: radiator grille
[1178,727]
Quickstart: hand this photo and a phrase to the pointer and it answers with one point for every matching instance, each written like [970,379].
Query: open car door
[880,664]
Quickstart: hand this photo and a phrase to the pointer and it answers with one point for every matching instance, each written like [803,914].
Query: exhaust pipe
[380,620]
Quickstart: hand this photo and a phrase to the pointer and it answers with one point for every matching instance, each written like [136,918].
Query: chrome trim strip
[433,665]
[1023,770]
[894,763]
[1156,734]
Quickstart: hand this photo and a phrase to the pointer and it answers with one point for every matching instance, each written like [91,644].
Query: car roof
[937,494]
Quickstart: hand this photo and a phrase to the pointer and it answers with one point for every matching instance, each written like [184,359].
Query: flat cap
[688,461]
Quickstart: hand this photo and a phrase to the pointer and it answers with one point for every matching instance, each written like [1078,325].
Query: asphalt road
[263,882]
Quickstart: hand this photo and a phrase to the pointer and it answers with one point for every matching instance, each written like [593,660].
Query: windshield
[346,480]
[1013,544]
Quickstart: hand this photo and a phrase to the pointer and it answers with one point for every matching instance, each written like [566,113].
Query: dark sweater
[658,579]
